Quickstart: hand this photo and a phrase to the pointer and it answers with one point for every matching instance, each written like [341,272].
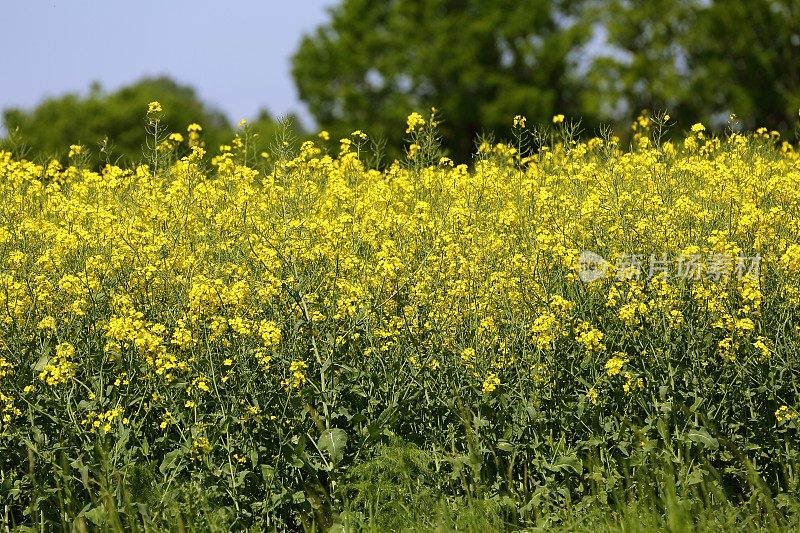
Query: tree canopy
[118,116]
[481,63]
[478,62]
[746,60]
[704,60]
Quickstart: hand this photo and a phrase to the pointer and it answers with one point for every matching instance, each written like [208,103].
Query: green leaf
[505,446]
[566,463]
[169,460]
[697,403]
[267,473]
[333,441]
[703,437]
[96,516]
[42,362]
[695,476]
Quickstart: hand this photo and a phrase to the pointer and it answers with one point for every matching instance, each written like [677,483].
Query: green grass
[400,489]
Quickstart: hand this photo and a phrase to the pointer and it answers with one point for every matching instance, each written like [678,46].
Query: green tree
[480,63]
[700,59]
[266,131]
[642,63]
[745,59]
[53,125]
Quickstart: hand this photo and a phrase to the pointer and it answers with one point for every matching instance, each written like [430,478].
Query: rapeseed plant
[260,325]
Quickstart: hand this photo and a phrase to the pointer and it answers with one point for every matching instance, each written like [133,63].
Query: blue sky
[235,53]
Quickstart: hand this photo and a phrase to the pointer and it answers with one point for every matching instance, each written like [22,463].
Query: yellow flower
[589,337]
[298,375]
[545,330]
[630,382]
[761,346]
[414,121]
[60,369]
[75,149]
[696,128]
[269,332]
[153,107]
[615,364]
[490,383]
[8,411]
[519,121]
[468,354]
[790,260]
[47,322]
[592,395]
[558,119]
[727,349]
[5,367]
[324,135]
[785,414]
[200,447]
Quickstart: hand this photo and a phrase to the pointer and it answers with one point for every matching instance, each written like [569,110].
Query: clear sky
[235,53]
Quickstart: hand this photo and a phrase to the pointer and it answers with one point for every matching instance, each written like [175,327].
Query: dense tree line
[601,60]
[481,63]
[111,126]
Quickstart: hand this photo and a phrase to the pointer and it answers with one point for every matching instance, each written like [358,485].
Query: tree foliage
[702,59]
[747,60]
[601,60]
[478,62]
[118,116]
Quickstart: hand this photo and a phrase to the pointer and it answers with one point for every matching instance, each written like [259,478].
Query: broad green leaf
[505,446]
[170,459]
[703,437]
[333,441]
[96,516]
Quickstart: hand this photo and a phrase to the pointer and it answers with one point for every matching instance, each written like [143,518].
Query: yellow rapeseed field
[262,322]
